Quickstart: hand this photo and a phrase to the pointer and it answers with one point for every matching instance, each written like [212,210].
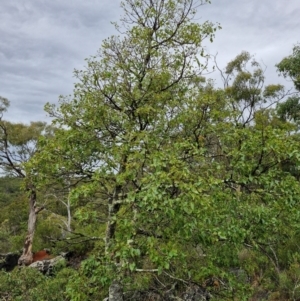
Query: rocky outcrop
[196,293]
[9,261]
[192,292]
[115,292]
[49,265]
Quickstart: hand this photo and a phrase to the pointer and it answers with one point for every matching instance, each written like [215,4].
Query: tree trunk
[113,209]
[114,205]
[27,255]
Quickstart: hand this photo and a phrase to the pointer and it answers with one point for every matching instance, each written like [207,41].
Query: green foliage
[29,284]
[91,281]
[18,142]
[169,180]
[13,215]
[290,110]
[290,66]
[9,188]
[186,175]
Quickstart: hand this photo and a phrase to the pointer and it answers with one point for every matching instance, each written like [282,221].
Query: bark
[69,215]
[113,208]
[116,288]
[27,255]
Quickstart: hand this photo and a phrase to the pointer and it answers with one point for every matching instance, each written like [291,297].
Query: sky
[42,42]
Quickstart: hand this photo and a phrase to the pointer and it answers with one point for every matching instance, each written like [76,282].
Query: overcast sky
[42,41]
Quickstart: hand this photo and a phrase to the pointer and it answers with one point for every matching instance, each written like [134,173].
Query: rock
[115,291]
[48,266]
[9,261]
[192,293]
[196,293]
[147,295]
[241,275]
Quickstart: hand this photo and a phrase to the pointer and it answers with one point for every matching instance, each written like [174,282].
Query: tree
[258,157]
[125,113]
[18,143]
[190,175]
[290,66]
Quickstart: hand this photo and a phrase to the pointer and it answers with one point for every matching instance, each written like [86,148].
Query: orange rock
[41,255]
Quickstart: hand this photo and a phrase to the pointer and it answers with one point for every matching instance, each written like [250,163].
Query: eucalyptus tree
[290,66]
[18,143]
[259,149]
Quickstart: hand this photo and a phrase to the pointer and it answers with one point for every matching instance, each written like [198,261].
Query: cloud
[267,29]
[43,41]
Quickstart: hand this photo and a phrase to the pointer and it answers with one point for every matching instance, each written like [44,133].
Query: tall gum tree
[18,143]
[258,148]
[289,67]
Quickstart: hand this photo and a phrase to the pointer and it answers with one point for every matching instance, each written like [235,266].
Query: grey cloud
[42,42]
[267,29]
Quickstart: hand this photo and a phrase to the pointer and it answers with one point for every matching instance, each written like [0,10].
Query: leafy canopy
[180,176]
